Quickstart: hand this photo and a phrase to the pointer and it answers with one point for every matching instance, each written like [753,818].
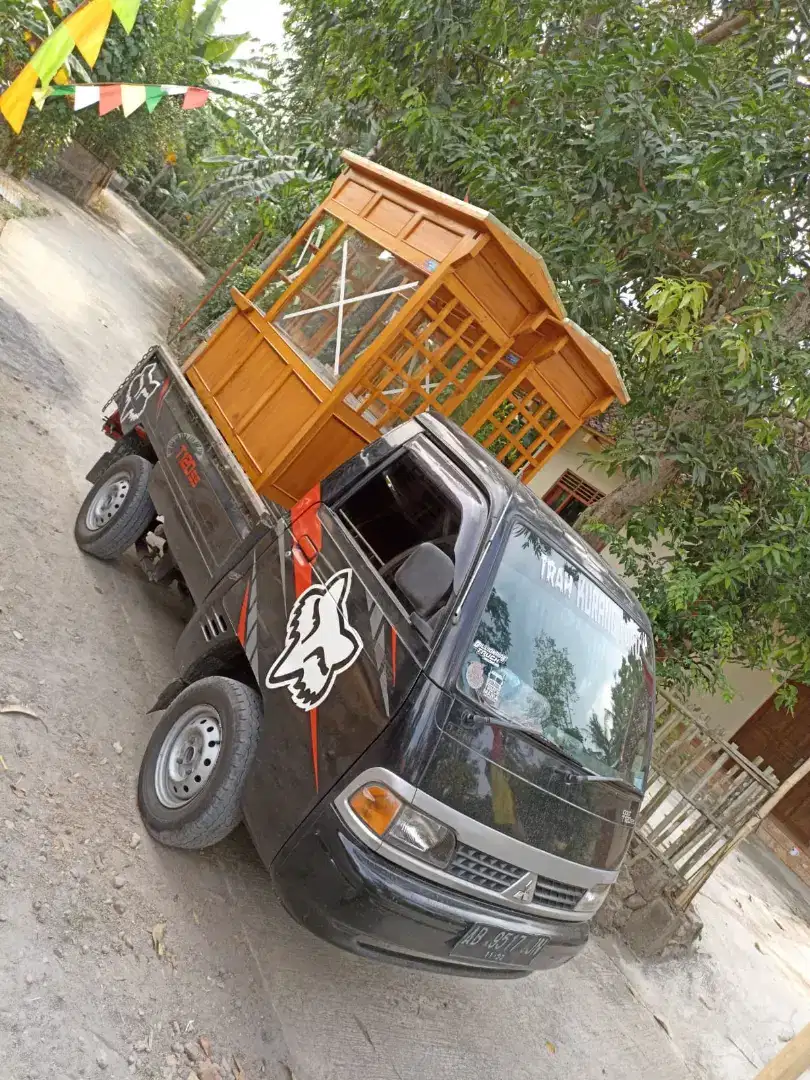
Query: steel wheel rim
[188,756]
[107,501]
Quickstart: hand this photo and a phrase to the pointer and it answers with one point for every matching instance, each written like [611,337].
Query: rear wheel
[195,766]
[118,510]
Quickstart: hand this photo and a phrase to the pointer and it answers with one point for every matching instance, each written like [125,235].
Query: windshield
[555,655]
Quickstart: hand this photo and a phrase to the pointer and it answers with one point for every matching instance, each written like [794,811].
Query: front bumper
[359,901]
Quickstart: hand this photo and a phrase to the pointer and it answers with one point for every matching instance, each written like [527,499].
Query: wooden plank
[791,1061]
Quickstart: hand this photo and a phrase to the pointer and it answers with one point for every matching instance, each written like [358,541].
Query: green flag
[154,95]
[127,12]
[52,54]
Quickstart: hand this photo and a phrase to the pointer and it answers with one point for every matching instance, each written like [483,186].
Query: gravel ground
[119,958]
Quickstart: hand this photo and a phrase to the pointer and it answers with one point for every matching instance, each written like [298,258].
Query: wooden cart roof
[529,262]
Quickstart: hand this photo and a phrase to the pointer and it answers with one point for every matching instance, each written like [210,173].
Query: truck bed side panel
[210,520]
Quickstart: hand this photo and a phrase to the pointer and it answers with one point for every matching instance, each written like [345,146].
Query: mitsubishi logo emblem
[523,889]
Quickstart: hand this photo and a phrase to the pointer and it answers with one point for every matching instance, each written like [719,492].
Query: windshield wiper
[594,777]
[583,774]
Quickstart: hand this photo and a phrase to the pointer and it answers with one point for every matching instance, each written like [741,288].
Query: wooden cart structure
[394,298]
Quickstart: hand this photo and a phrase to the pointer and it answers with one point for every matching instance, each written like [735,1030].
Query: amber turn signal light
[376,806]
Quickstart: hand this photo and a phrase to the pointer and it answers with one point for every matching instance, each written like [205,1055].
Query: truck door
[341,650]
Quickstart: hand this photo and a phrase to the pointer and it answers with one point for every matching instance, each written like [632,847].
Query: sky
[262,18]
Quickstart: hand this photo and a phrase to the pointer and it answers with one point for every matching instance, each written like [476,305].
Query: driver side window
[408,526]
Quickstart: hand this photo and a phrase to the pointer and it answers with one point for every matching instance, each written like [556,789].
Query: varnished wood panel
[276,425]
[487,288]
[319,456]
[225,352]
[570,380]
[434,240]
[354,196]
[238,396]
[390,216]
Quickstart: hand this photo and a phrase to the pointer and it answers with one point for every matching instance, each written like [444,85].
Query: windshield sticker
[139,393]
[320,643]
[490,655]
[494,685]
[475,675]
[591,601]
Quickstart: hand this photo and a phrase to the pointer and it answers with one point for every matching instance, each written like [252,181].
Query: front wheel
[197,761]
[118,510]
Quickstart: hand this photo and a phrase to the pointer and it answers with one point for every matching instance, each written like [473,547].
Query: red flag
[109,99]
[195,98]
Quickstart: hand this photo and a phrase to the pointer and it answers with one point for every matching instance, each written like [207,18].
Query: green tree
[554,678]
[655,154]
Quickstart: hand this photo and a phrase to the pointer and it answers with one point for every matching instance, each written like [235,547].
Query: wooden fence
[702,791]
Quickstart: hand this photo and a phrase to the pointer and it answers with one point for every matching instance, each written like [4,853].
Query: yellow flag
[88,28]
[15,101]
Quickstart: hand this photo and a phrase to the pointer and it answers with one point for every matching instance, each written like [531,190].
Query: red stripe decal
[394,655]
[305,523]
[241,630]
[163,392]
[313,738]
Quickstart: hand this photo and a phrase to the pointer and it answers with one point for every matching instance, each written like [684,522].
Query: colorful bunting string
[127,96]
[85,30]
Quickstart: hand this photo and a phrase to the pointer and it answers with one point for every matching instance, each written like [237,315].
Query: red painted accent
[304,516]
[308,535]
[167,383]
[394,654]
[241,630]
[313,738]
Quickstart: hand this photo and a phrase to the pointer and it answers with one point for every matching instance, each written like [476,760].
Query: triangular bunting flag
[195,98]
[174,90]
[127,12]
[109,99]
[89,26]
[154,96]
[132,97]
[52,53]
[86,95]
[85,30]
[39,96]
[14,102]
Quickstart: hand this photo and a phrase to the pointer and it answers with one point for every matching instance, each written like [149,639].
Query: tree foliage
[656,156]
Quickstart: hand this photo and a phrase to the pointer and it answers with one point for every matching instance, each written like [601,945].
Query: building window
[571,495]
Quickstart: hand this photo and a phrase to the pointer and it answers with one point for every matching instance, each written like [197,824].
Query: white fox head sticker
[320,643]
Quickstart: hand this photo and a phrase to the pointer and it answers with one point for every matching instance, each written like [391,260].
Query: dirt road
[117,955]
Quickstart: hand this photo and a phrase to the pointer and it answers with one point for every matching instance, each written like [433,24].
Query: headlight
[593,899]
[401,825]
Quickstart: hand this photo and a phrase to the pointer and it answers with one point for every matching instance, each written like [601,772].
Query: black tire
[215,812]
[130,522]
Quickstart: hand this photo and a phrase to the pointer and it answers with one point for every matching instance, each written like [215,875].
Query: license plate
[499,946]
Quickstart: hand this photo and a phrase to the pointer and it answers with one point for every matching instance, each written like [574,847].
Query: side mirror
[425,579]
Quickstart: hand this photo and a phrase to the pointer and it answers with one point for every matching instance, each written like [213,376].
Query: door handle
[307,548]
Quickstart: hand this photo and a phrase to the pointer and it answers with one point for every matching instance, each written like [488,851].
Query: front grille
[557,895]
[483,870]
[477,868]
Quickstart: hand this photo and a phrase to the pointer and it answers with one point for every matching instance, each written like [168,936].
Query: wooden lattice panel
[435,360]
[521,428]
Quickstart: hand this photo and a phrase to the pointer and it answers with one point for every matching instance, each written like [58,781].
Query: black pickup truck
[430,702]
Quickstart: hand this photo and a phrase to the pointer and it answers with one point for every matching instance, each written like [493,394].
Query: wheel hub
[107,502]
[188,756]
